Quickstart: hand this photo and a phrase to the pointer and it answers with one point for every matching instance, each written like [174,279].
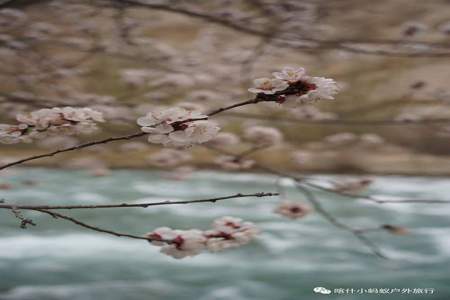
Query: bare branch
[91,227]
[142,205]
[23,221]
[330,218]
[372,198]
[78,147]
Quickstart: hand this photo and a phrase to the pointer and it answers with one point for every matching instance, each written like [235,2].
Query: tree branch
[359,234]
[78,147]
[121,138]
[91,227]
[142,205]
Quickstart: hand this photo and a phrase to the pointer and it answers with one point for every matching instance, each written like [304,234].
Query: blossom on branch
[230,232]
[268,86]
[45,122]
[178,243]
[293,87]
[227,232]
[318,88]
[290,75]
[177,127]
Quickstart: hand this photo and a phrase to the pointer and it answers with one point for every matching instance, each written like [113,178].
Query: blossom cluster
[227,232]
[177,127]
[293,87]
[45,122]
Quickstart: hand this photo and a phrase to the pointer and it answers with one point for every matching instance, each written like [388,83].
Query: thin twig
[372,198]
[247,102]
[91,227]
[78,147]
[330,218]
[143,205]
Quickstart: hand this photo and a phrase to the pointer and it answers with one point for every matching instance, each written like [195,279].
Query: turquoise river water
[59,260]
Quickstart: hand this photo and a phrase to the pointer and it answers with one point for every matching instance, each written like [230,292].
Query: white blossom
[263,135]
[161,234]
[196,133]
[178,243]
[191,106]
[177,127]
[295,87]
[290,74]
[292,210]
[45,122]
[268,86]
[12,134]
[232,163]
[230,232]
[319,88]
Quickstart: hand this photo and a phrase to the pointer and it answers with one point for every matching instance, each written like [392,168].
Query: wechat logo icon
[321,290]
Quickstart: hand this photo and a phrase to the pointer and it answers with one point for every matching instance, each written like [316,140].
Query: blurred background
[390,58]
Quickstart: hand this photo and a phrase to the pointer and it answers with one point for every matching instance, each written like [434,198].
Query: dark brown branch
[143,205]
[91,227]
[222,109]
[78,147]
